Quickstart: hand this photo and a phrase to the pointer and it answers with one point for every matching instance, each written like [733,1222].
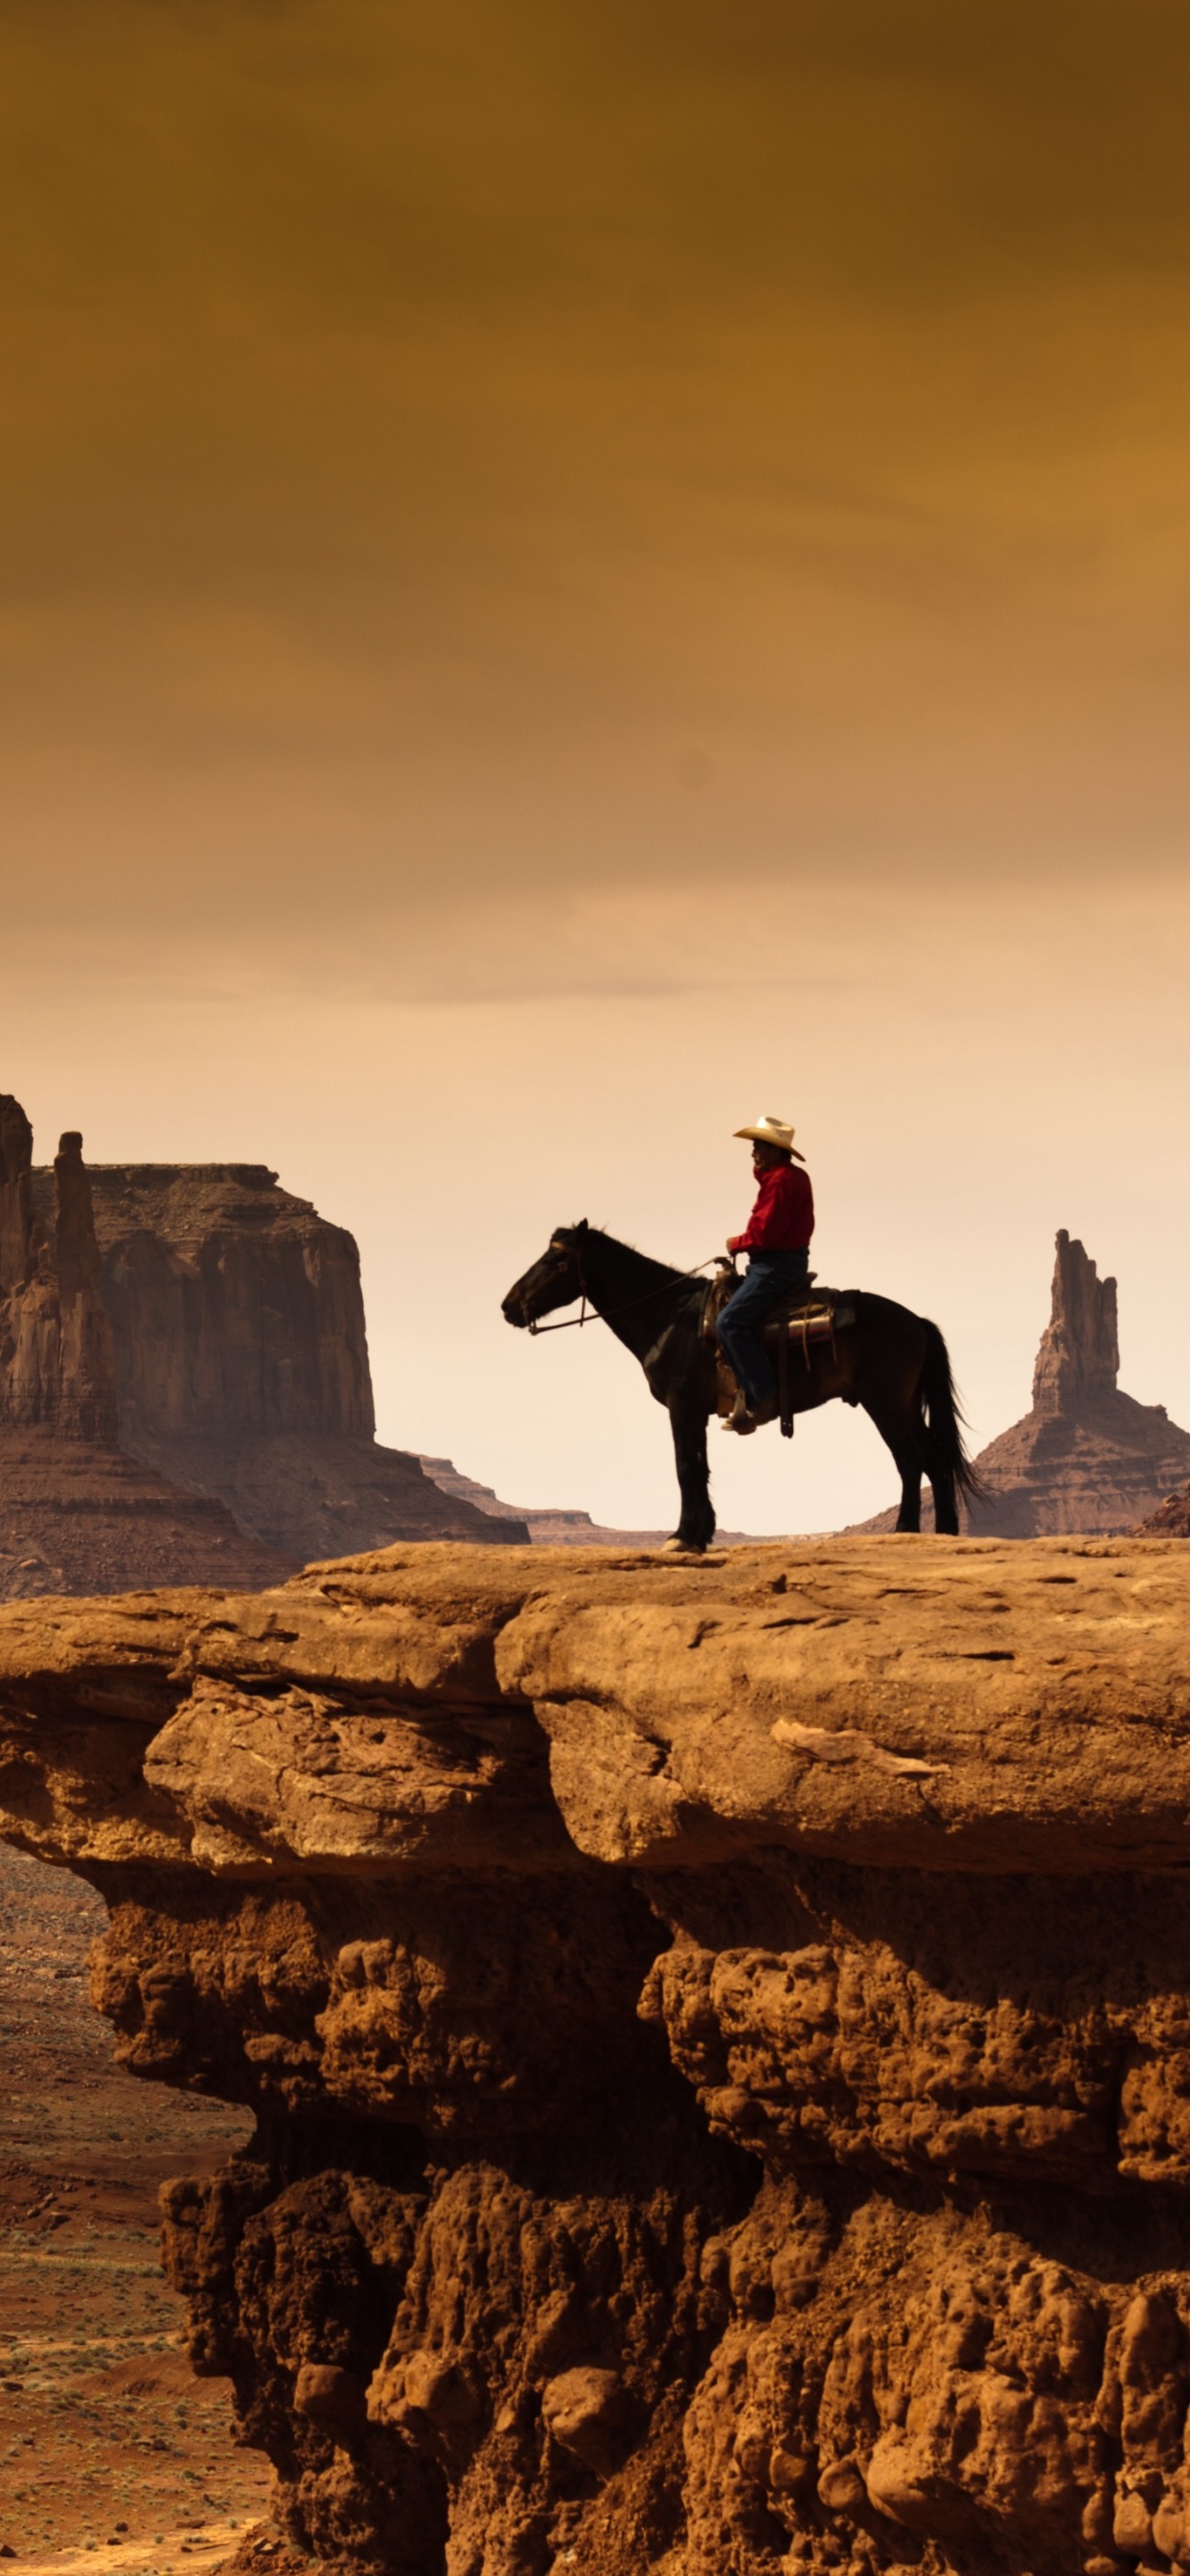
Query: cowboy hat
[771,1131]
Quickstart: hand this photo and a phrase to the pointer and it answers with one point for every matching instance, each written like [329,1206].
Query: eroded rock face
[1080,1347]
[1171,1519]
[241,1361]
[184,1383]
[57,1363]
[77,1514]
[719,2036]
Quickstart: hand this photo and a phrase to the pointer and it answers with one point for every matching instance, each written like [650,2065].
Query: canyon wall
[719,2036]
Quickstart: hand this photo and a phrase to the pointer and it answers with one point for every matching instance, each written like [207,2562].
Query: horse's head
[555,1280]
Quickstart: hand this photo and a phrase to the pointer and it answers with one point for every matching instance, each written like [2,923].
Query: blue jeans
[769,1276]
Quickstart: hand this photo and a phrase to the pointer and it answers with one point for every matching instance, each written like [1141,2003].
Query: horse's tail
[948,1467]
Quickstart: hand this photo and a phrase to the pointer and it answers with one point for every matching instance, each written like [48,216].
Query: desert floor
[111,2453]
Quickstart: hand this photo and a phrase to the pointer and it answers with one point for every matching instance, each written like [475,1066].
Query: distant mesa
[77,1514]
[185,1394]
[1086,1458]
[550,1525]
[242,1368]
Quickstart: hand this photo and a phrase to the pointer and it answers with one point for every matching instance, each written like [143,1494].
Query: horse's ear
[582,1226]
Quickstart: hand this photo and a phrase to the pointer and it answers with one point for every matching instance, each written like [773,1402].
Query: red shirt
[783,1217]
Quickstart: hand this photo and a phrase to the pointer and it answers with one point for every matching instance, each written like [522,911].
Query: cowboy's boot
[746,1416]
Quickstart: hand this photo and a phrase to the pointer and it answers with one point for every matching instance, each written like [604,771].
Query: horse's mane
[661,1274]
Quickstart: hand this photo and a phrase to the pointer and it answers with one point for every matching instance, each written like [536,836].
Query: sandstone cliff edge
[719,2036]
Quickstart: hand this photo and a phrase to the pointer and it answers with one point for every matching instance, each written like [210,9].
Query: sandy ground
[111,2453]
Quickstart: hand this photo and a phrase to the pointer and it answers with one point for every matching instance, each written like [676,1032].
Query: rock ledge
[719,2034]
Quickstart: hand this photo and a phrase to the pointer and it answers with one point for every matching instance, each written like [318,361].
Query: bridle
[570,1252]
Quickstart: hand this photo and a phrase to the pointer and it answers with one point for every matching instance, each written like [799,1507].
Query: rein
[574,1323]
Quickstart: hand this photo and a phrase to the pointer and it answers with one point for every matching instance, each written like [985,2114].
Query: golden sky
[615,512]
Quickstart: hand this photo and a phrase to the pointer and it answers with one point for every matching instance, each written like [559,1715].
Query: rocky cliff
[76,1513]
[1171,1519]
[719,2035]
[1086,1457]
[241,1360]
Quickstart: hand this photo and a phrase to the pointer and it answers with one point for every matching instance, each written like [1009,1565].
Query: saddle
[805,1316]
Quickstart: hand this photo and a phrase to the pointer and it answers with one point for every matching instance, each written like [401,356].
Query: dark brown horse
[893,1363]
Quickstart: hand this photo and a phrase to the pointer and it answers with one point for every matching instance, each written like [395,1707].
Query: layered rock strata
[76,1513]
[1086,1457]
[719,2036]
[78,1516]
[241,1361]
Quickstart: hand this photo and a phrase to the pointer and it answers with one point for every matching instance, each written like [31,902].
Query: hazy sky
[572,575]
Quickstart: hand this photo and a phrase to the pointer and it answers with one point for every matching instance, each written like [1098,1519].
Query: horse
[890,1361]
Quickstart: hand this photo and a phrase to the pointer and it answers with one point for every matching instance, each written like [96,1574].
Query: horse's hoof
[673,1547]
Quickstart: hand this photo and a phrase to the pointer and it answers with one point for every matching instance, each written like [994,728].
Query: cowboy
[777,1242]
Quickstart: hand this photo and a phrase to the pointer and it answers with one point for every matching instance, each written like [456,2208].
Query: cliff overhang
[719,2035]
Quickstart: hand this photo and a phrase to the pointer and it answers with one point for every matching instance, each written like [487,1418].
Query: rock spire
[1080,1350]
[16,1203]
[1086,1457]
[57,1361]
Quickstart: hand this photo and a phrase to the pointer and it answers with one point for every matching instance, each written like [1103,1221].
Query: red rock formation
[720,2036]
[184,1384]
[17,1240]
[1171,1520]
[56,1361]
[236,1309]
[1079,1353]
[241,1361]
[1087,1457]
[76,1514]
